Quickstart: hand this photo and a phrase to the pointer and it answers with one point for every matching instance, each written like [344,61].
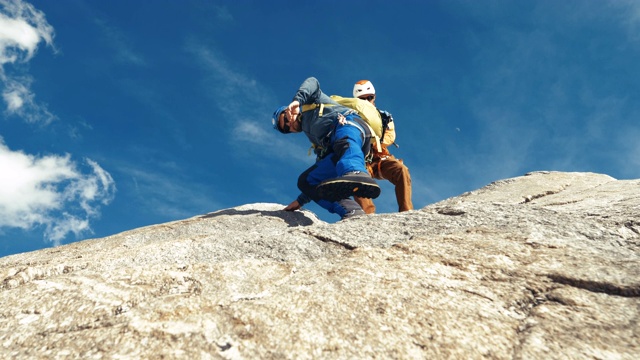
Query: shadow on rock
[292,218]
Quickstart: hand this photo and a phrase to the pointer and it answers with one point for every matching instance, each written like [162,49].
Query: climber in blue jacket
[341,140]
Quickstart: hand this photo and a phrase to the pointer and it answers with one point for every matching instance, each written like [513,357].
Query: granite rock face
[543,266]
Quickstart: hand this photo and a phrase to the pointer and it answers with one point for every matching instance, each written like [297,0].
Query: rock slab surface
[543,266]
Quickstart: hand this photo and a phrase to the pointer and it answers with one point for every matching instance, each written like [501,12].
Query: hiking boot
[354,183]
[352,214]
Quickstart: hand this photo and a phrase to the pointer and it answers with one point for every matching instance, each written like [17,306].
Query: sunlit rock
[543,266]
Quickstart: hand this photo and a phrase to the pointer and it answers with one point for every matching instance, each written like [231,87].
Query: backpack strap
[309,107]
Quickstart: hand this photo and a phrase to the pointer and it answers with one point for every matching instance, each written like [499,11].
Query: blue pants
[349,144]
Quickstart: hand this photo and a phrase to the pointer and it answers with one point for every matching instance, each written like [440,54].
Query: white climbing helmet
[362,88]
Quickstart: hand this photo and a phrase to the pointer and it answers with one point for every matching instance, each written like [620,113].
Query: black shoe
[355,183]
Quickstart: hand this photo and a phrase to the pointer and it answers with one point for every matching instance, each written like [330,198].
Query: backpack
[367,111]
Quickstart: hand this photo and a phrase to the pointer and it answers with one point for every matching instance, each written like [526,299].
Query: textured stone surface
[543,266]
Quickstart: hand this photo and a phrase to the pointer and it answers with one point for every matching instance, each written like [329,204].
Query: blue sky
[121,114]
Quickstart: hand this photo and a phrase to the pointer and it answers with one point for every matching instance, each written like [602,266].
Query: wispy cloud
[230,89]
[51,191]
[162,193]
[253,133]
[630,10]
[546,97]
[123,51]
[245,105]
[22,29]
[630,161]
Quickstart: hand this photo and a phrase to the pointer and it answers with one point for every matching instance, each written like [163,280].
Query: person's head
[364,90]
[283,124]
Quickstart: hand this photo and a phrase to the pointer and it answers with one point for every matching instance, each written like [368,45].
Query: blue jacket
[314,126]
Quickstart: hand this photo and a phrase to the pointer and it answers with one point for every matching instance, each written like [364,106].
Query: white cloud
[17,33]
[22,28]
[68,224]
[50,191]
[21,101]
[15,97]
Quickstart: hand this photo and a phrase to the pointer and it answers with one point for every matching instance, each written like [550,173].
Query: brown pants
[397,173]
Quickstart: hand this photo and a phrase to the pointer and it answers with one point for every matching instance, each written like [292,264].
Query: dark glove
[386,118]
